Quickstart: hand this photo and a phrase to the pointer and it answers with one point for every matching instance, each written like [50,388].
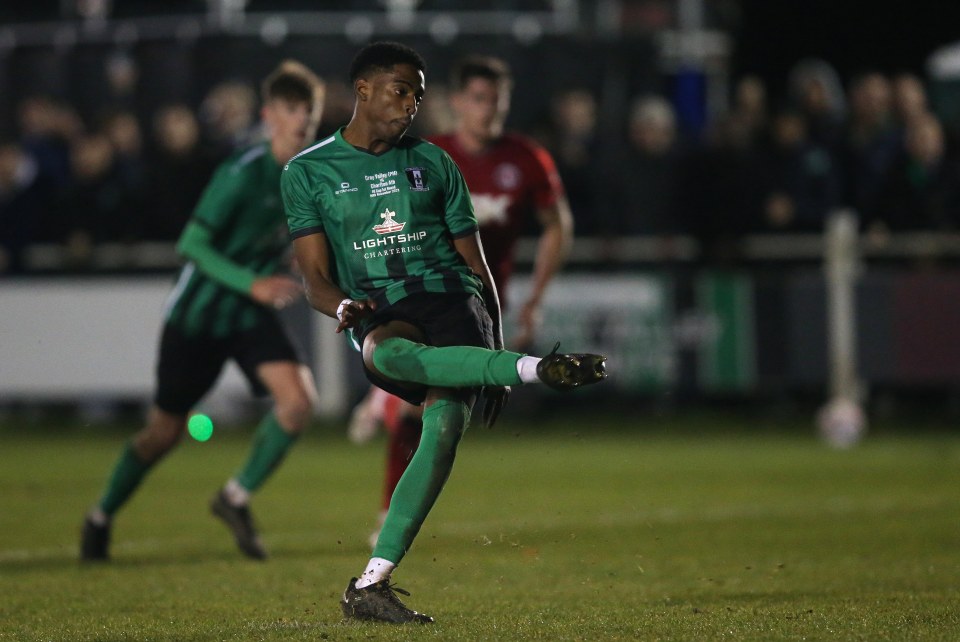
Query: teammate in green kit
[224,307]
[385,235]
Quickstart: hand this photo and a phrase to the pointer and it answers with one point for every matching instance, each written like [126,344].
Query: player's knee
[294,413]
[392,357]
[158,438]
[442,442]
[448,428]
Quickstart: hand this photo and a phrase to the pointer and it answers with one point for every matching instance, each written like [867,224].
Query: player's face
[292,123]
[481,107]
[391,100]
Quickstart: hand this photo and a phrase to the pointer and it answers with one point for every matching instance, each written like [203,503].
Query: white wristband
[340,308]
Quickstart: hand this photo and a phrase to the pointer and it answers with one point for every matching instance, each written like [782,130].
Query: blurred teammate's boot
[365,421]
[94,541]
[379,602]
[568,371]
[240,522]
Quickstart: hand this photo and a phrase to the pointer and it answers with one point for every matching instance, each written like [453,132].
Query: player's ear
[361,88]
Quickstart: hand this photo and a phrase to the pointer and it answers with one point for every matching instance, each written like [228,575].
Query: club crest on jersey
[417,176]
[389,225]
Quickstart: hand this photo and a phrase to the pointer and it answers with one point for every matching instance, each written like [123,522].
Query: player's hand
[495,398]
[528,322]
[353,313]
[275,291]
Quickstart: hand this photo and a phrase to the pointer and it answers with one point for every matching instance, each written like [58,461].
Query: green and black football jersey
[389,219]
[242,210]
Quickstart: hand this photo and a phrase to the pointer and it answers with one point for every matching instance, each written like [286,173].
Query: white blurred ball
[842,423]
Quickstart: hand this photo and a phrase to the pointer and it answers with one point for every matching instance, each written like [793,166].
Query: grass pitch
[697,529]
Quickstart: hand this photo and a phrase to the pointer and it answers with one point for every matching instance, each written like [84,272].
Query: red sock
[404,437]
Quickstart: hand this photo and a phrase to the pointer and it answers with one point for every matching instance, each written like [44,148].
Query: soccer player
[384,232]
[224,306]
[512,182]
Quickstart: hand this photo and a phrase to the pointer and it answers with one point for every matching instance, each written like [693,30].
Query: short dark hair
[292,81]
[383,55]
[486,67]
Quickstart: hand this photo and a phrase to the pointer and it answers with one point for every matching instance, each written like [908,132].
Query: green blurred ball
[200,427]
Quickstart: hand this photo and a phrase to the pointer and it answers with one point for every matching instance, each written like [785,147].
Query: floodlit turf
[645,532]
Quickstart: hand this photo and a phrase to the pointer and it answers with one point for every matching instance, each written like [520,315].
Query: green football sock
[127,474]
[270,446]
[443,425]
[448,367]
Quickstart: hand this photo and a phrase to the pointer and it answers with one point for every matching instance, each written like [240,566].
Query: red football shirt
[508,183]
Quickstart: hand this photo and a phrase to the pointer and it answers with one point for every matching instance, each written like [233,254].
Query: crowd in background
[766,164]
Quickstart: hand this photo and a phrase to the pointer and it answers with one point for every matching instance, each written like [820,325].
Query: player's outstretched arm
[275,291]
[554,244]
[196,245]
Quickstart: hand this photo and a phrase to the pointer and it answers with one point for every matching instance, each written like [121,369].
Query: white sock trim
[527,369]
[377,569]
[98,517]
[236,494]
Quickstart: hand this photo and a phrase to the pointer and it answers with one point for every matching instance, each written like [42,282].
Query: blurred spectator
[719,191]
[179,169]
[122,74]
[23,201]
[921,188]
[47,128]
[802,179]
[571,138]
[641,190]
[909,99]
[817,94]
[92,209]
[228,117]
[750,106]
[123,131]
[869,142]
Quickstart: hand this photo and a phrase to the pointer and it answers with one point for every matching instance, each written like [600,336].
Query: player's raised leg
[402,359]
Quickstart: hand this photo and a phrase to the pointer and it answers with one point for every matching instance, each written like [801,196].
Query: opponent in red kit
[511,181]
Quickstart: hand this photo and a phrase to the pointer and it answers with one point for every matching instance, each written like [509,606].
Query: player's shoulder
[425,149]
[521,143]
[245,159]
[418,145]
[520,146]
[236,166]
[319,150]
